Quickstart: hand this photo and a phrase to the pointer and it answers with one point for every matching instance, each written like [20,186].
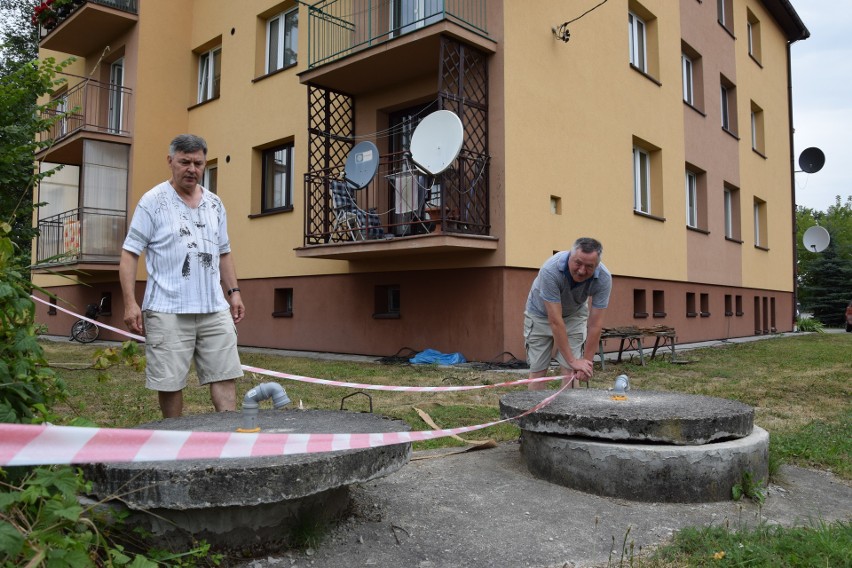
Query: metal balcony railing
[85,234]
[337,28]
[55,15]
[399,202]
[90,106]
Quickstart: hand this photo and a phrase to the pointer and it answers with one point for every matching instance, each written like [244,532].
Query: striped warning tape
[326,382]
[23,444]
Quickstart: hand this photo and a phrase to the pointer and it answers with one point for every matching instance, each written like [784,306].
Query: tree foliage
[825,278]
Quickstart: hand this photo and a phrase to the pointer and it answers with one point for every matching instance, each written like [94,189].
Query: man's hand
[583,369]
[133,318]
[238,310]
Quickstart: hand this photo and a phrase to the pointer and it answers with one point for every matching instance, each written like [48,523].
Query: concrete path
[483,509]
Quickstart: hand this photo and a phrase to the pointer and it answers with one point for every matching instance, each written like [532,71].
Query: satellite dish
[436,142]
[362,163]
[816,239]
[811,160]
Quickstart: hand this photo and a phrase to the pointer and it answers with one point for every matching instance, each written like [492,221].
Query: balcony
[83,27]
[400,210]
[89,110]
[83,238]
[351,44]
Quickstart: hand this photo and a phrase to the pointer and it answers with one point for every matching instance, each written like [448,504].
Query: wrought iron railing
[85,234]
[337,28]
[91,106]
[399,202]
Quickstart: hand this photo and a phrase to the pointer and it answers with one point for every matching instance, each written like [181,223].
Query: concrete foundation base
[254,503]
[648,472]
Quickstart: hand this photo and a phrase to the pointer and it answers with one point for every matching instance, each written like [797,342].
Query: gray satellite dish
[436,142]
[816,239]
[811,160]
[362,163]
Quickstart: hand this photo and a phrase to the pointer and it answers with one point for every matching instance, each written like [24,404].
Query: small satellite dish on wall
[816,239]
[361,166]
[811,160]
[436,142]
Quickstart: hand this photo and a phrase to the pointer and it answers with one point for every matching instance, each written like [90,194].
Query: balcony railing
[55,16]
[337,28]
[84,234]
[90,106]
[399,202]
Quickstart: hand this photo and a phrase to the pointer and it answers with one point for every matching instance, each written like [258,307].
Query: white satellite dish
[361,166]
[816,239]
[436,142]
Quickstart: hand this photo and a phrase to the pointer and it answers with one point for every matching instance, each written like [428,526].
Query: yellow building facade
[662,128]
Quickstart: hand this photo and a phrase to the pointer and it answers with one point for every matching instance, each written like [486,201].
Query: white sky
[822,100]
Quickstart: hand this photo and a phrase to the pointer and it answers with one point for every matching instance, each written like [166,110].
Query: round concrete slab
[244,501]
[644,416]
[648,472]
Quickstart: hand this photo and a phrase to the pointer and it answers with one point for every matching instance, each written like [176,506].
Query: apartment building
[668,139]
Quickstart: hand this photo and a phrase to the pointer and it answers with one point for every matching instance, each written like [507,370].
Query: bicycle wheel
[84,331]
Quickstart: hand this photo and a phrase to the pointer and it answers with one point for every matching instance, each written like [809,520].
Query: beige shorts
[174,341]
[538,340]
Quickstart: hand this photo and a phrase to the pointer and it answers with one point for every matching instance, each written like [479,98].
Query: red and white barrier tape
[326,382]
[22,444]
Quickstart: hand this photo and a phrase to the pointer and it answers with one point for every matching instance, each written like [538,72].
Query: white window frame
[286,35]
[757,242]
[729,213]
[115,120]
[688,82]
[283,179]
[754,130]
[637,32]
[750,38]
[721,13]
[207,65]
[725,108]
[641,180]
[210,179]
[691,199]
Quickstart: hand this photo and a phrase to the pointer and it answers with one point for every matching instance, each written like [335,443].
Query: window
[640,309]
[51,309]
[387,302]
[641,181]
[555,205]
[282,40]
[691,199]
[725,12]
[757,132]
[283,303]
[728,101]
[688,91]
[705,305]
[729,305]
[732,213]
[409,15]
[690,305]
[278,178]
[760,233]
[739,305]
[116,96]
[753,29]
[209,74]
[659,304]
[211,177]
[638,44]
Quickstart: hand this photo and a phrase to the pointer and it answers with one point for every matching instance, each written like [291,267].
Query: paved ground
[483,509]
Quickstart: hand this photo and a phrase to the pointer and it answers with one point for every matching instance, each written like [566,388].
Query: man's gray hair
[187,144]
[588,245]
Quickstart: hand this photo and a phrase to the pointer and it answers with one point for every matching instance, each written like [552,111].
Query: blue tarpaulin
[431,356]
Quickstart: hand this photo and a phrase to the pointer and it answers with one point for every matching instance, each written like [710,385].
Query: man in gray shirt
[558,315]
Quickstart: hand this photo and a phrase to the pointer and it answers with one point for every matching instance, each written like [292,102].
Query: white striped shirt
[182,246]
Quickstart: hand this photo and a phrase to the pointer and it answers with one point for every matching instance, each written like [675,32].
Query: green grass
[799,386]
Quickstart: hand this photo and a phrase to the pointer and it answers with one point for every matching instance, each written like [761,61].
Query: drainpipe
[259,393]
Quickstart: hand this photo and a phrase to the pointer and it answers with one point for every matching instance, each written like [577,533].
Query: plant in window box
[45,15]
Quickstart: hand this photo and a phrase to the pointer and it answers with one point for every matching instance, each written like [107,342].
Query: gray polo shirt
[554,284]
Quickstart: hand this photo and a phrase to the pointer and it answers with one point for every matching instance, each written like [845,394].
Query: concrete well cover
[645,416]
[202,484]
